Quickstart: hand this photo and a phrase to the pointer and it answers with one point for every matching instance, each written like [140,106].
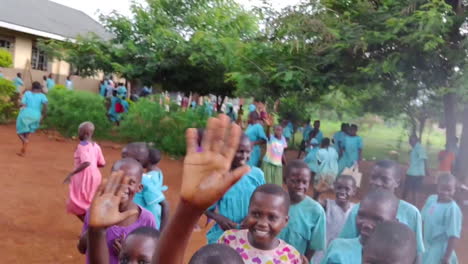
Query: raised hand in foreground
[206,177]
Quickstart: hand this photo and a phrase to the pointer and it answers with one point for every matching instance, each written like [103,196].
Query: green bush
[59,87]
[67,109]
[8,98]
[147,121]
[6,60]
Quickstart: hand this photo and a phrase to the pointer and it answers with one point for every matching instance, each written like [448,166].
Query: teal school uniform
[29,117]
[255,132]
[407,214]
[103,90]
[319,137]
[235,203]
[417,161]
[441,222]
[306,133]
[306,228]
[311,159]
[338,138]
[344,251]
[114,116]
[328,159]
[122,92]
[152,194]
[288,131]
[18,82]
[351,146]
[50,83]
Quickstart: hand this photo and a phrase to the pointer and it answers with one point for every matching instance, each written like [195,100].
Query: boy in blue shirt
[416,171]
[306,230]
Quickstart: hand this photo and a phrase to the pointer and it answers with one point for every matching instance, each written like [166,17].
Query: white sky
[94,7]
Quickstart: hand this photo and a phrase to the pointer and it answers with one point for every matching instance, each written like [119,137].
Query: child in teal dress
[311,157]
[339,136]
[327,159]
[306,229]
[352,149]
[50,82]
[376,207]
[33,110]
[257,136]
[232,208]
[442,220]
[18,82]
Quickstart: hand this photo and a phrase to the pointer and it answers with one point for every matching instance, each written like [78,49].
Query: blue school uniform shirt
[152,194]
[122,92]
[306,228]
[319,137]
[338,137]
[288,131]
[351,145]
[328,158]
[50,83]
[18,82]
[306,132]
[407,214]
[311,159]
[234,205]
[418,157]
[344,251]
[441,221]
[255,132]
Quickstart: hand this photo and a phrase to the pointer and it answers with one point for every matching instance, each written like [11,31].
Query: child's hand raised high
[104,210]
[207,174]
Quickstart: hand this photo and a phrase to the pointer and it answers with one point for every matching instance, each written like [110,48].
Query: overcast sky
[93,7]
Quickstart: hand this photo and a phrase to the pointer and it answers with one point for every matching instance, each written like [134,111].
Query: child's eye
[143,262]
[272,218]
[123,261]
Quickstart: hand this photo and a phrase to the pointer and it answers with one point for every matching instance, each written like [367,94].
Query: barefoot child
[233,207]
[85,178]
[417,170]
[442,220]
[256,134]
[351,149]
[376,207]
[118,216]
[274,159]
[386,175]
[138,247]
[327,159]
[33,110]
[391,243]
[268,215]
[306,229]
[151,197]
[337,210]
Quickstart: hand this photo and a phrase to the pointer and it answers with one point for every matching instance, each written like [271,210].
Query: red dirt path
[34,225]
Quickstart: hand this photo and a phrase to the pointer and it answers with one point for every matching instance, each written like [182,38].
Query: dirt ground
[35,225]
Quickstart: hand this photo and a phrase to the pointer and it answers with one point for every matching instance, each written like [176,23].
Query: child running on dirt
[118,216]
[152,196]
[33,110]
[140,244]
[84,180]
[306,228]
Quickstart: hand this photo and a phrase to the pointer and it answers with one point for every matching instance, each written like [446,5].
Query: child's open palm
[104,210]
[207,174]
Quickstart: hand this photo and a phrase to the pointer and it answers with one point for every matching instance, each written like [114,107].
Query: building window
[6,43]
[39,59]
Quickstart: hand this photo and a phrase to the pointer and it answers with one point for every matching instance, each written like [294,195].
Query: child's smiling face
[446,191]
[242,154]
[134,172]
[344,190]
[298,181]
[268,215]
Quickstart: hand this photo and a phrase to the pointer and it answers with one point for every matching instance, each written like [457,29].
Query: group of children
[255,222]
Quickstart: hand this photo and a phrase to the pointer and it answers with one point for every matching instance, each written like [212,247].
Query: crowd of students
[256,220]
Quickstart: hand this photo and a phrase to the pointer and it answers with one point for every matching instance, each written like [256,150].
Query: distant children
[390,243]
[114,212]
[118,106]
[69,83]
[18,82]
[442,220]
[386,175]
[33,110]
[268,215]
[338,137]
[311,158]
[50,82]
[376,207]
[216,254]
[352,149]
[85,178]
[257,137]
[139,245]
[327,159]
[316,132]
[306,229]
[418,168]
[232,208]
[152,195]
[288,130]
[337,210]
[274,159]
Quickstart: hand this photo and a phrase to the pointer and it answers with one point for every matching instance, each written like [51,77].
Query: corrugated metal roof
[50,17]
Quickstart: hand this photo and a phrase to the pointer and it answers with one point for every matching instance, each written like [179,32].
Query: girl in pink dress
[86,177]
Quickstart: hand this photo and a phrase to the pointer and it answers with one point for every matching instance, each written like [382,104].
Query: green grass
[380,139]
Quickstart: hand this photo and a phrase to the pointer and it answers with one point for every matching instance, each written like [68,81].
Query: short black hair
[381,197]
[325,142]
[154,156]
[354,126]
[294,164]
[216,254]
[446,177]
[347,177]
[390,164]
[147,232]
[274,190]
[391,238]
[36,86]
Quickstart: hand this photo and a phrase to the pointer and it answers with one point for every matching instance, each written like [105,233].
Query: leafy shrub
[147,121]
[68,109]
[8,98]
[60,87]
[6,60]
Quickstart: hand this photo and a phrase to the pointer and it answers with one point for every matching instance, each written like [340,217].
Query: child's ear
[140,187]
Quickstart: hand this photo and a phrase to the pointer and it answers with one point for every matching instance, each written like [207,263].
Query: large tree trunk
[450,120]
[462,159]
